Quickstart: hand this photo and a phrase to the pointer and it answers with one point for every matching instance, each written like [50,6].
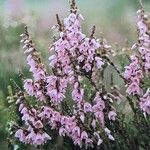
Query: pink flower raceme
[65,124]
[133,74]
[98,108]
[77,93]
[74,45]
[28,135]
[36,68]
[144,39]
[145,102]
[33,88]
[88,51]
[140,66]
[65,47]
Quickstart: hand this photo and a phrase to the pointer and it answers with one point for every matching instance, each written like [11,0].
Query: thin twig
[112,64]
[140,3]
[59,22]
[93,31]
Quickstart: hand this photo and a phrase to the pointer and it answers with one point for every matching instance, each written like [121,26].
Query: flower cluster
[140,65]
[98,108]
[133,74]
[36,67]
[144,39]
[74,56]
[66,125]
[145,102]
[33,133]
[73,50]
[31,137]
[56,88]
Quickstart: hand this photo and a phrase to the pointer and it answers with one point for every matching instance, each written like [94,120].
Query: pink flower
[147,66]
[46,136]
[147,57]
[134,88]
[26,118]
[111,137]
[40,95]
[30,137]
[31,63]
[80,58]
[38,140]
[93,123]
[127,72]
[84,135]
[99,62]
[82,117]
[38,124]
[46,113]
[112,115]
[95,43]
[53,94]
[87,107]
[29,87]
[99,106]
[76,132]
[139,74]
[100,116]
[39,74]
[20,135]
[87,67]
[143,28]
[72,52]
[134,59]
[145,106]
[145,102]
[24,110]
[51,80]
[53,60]
[77,93]
[62,131]
[100,141]
[78,141]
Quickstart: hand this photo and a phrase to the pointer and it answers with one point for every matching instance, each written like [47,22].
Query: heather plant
[72,108]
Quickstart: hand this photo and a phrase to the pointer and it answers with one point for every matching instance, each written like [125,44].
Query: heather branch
[119,73]
[113,65]
[141,5]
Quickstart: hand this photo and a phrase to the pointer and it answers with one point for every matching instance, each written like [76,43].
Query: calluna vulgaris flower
[74,55]
[140,64]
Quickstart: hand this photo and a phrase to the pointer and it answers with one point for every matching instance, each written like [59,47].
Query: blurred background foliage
[115,18]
